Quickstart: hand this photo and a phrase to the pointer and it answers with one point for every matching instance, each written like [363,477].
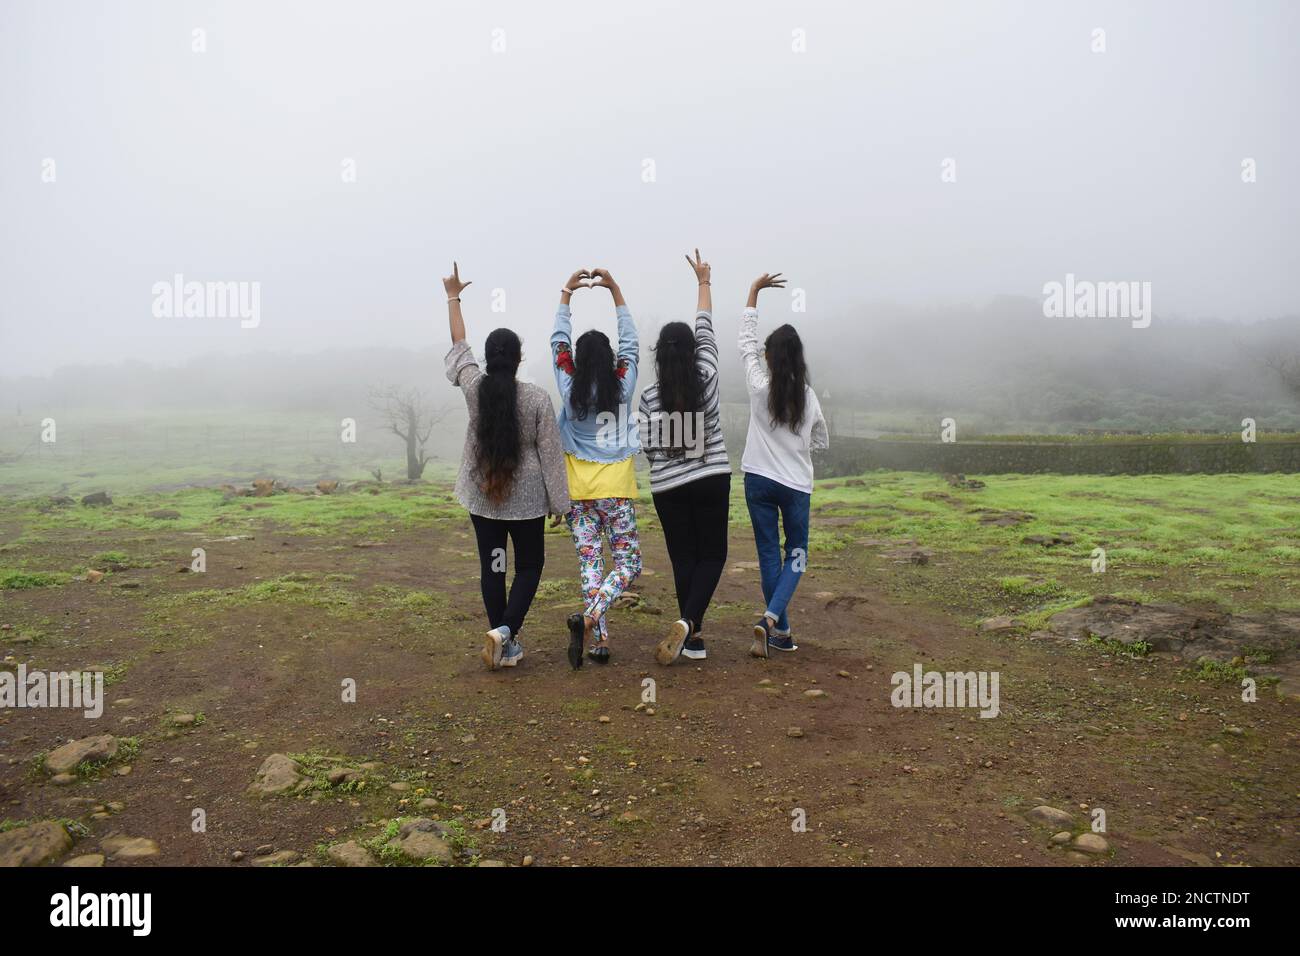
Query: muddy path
[714,771]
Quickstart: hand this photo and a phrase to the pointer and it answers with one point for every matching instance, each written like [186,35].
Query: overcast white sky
[527,163]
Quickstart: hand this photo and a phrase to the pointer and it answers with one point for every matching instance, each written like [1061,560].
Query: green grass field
[1226,541]
[1229,542]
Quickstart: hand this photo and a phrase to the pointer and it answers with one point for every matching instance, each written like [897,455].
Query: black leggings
[529,538]
[694,517]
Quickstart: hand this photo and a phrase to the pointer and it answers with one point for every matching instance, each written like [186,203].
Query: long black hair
[596,385]
[496,432]
[789,376]
[680,388]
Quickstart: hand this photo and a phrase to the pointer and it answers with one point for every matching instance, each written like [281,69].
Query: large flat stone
[350,853]
[121,847]
[1052,817]
[71,755]
[34,845]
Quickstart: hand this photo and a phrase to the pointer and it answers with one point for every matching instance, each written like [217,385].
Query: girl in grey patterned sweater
[512,474]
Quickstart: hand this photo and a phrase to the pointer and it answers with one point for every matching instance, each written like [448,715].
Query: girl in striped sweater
[680,426]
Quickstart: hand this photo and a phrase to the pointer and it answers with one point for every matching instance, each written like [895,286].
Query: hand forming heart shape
[594,277]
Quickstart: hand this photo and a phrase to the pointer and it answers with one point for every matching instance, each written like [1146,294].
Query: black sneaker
[694,648]
[577,630]
[781,642]
[599,652]
[762,637]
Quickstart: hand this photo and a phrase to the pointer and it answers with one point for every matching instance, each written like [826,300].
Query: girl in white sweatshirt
[785,424]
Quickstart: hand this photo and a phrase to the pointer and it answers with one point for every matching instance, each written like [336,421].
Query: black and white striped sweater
[706,453]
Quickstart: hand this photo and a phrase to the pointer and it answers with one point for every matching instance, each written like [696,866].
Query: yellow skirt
[589,480]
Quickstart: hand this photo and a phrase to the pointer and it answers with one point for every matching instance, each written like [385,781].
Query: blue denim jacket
[596,438]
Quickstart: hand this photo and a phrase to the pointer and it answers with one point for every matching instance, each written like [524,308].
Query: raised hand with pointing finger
[452,283]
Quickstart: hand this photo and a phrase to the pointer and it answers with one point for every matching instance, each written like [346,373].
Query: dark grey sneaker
[762,635]
[781,642]
[512,653]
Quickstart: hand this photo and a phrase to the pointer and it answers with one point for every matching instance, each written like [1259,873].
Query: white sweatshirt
[776,452]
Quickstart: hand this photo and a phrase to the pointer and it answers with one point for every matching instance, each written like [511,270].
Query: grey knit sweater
[541,484]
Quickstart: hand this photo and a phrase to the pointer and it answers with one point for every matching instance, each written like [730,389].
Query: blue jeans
[769,500]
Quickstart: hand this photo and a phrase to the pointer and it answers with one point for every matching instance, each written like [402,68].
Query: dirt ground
[711,772]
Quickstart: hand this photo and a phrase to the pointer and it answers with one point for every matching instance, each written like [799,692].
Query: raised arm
[461,368]
[629,345]
[765,281]
[756,376]
[603,279]
[573,285]
[562,334]
[703,275]
[706,343]
[454,288]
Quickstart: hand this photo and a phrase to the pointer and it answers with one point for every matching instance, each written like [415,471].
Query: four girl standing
[521,463]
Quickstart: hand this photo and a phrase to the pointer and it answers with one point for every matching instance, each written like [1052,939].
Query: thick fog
[919,171]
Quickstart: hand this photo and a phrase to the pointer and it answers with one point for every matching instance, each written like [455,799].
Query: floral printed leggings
[588,522]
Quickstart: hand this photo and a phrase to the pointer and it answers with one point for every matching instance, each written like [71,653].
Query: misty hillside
[1005,365]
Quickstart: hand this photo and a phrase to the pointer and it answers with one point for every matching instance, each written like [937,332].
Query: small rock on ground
[1093,843]
[420,839]
[350,853]
[282,858]
[422,846]
[34,844]
[121,847]
[1051,816]
[277,774]
[95,749]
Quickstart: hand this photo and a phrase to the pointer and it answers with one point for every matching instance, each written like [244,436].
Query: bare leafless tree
[409,416]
